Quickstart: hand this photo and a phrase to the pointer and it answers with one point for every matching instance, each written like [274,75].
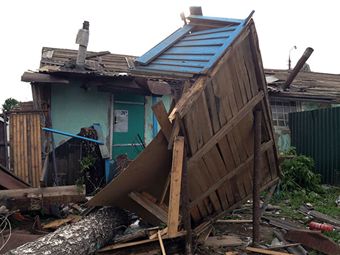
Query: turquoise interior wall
[150,120]
[73,107]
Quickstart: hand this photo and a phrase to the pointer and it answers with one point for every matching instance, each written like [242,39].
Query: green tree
[9,104]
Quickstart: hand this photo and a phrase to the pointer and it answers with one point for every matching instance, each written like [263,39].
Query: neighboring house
[103,92]
[308,91]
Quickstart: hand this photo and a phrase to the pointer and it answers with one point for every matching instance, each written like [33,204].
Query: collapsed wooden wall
[25,146]
[217,117]
[219,128]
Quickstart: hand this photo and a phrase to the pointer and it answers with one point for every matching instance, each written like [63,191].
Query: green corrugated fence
[317,134]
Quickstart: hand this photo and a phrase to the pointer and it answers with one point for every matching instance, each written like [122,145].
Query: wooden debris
[274,247]
[204,235]
[265,251]
[163,232]
[37,198]
[162,118]
[149,205]
[60,222]
[234,221]
[267,199]
[161,242]
[298,250]
[320,216]
[138,243]
[223,241]
[131,236]
[280,223]
[175,186]
[315,240]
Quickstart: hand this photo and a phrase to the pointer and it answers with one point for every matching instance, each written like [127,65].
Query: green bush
[299,173]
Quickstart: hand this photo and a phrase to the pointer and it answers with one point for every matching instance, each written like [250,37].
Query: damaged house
[306,116]
[197,101]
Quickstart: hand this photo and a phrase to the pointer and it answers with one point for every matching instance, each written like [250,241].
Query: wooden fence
[25,146]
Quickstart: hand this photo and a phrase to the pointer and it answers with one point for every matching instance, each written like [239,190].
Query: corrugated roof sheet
[104,63]
[192,49]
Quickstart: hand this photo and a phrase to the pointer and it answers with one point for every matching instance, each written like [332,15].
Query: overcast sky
[134,26]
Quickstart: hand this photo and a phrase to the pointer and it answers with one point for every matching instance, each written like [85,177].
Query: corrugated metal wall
[25,143]
[317,134]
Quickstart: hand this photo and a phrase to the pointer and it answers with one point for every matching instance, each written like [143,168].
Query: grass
[324,202]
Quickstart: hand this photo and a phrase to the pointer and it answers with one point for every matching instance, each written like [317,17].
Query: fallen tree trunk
[83,237]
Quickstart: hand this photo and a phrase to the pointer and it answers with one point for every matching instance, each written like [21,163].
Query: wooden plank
[191,134]
[212,107]
[150,206]
[165,190]
[196,186]
[175,186]
[164,45]
[237,83]
[38,152]
[31,150]
[206,181]
[46,192]
[32,139]
[25,150]
[161,242]
[162,118]
[55,224]
[249,66]
[38,198]
[188,99]
[217,169]
[21,146]
[241,55]
[164,231]
[205,42]
[42,78]
[224,241]
[234,221]
[136,243]
[216,35]
[266,251]
[174,132]
[228,127]
[229,175]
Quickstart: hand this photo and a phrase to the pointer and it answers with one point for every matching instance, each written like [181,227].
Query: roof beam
[42,78]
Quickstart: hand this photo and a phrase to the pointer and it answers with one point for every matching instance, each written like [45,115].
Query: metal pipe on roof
[83,41]
[298,67]
[196,10]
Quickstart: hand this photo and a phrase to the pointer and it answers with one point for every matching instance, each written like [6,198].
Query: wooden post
[175,186]
[256,176]
[5,140]
[186,208]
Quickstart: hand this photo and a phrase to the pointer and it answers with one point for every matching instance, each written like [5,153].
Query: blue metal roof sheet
[192,49]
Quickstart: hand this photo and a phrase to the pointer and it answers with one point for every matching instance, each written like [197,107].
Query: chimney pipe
[83,40]
[298,67]
[196,10]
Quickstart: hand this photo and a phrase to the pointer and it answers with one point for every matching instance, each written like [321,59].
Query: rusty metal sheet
[315,240]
